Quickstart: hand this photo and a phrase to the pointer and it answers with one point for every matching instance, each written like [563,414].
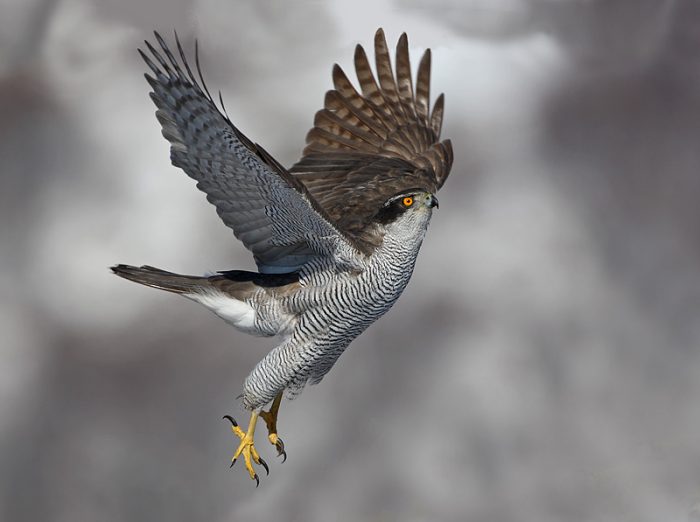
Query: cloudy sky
[544,362]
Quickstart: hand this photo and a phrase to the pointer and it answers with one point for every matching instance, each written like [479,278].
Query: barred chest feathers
[335,306]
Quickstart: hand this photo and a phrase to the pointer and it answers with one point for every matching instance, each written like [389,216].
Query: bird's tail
[157,278]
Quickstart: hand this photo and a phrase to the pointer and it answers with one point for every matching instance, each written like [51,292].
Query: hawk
[335,237]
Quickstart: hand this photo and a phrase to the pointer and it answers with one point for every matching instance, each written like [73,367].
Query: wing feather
[423,88]
[436,116]
[404,81]
[387,83]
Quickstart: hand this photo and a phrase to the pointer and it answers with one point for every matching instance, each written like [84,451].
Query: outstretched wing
[365,147]
[269,210]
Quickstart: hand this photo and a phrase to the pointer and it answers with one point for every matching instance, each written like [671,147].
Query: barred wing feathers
[269,210]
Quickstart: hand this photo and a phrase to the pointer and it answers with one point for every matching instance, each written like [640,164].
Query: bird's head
[407,213]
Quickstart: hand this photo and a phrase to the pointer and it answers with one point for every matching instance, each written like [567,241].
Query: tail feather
[162,279]
[238,284]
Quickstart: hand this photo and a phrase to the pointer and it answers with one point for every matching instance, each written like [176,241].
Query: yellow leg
[247,446]
[270,418]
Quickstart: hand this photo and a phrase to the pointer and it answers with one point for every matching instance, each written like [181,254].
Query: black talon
[280,450]
[232,463]
[257,480]
[264,465]
[231,420]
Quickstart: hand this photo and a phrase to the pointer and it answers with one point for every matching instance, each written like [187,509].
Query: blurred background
[543,364]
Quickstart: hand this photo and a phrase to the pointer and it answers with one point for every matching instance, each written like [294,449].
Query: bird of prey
[335,237]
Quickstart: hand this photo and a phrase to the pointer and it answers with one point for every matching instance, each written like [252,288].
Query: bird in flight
[335,237]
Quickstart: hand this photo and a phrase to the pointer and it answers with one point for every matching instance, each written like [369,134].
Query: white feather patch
[235,312]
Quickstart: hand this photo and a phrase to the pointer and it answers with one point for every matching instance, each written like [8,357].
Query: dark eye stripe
[390,212]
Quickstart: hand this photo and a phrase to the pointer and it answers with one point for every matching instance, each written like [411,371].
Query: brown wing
[365,147]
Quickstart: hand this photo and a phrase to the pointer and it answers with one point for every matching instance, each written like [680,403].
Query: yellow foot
[247,447]
[270,418]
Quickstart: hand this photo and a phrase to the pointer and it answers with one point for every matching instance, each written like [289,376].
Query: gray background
[543,364]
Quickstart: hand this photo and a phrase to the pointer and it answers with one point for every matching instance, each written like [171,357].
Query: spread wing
[370,145]
[269,210]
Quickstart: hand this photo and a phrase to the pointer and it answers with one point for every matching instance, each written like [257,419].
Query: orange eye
[407,201]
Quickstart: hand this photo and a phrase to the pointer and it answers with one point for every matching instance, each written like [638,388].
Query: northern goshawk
[335,237]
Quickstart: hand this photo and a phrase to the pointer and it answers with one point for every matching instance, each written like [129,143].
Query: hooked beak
[433,201]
